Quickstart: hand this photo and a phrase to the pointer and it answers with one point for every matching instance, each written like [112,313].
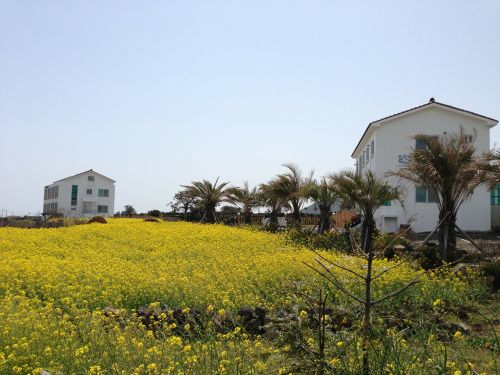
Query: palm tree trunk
[273,220]
[248,217]
[447,236]
[295,214]
[324,221]
[210,215]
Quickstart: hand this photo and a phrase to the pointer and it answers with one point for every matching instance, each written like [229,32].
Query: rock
[261,313]
[246,313]
[223,324]
[117,315]
[112,312]
[271,333]
[462,327]
[464,268]
[253,320]
[281,313]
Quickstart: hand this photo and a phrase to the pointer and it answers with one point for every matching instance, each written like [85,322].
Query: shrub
[65,222]
[97,219]
[492,270]
[388,242]
[325,241]
[154,213]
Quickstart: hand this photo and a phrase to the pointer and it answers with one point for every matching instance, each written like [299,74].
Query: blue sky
[155,94]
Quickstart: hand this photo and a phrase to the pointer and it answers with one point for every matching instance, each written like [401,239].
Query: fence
[338,219]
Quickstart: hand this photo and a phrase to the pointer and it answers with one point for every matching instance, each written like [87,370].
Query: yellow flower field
[55,282]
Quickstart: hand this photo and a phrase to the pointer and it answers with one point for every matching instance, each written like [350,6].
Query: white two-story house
[385,146]
[85,194]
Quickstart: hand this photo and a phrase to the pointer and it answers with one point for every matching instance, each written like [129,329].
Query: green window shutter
[420,194]
[74,194]
[495,195]
[431,196]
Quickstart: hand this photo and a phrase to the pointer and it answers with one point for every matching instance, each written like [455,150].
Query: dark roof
[431,102]
[78,174]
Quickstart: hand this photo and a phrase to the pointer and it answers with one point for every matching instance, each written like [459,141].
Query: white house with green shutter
[85,194]
[385,146]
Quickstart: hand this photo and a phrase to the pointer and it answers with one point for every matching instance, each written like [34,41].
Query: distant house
[83,195]
[386,144]
[313,209]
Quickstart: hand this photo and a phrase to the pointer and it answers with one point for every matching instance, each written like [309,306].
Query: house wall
[394,142]
[64,198]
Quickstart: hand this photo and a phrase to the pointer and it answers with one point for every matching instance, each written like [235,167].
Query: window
[424,195]
[373,147]
[89,191]
[103,193]
[51,192]
[367,153]
[495,195]
[364,157]
[468,138]
[90,178]
[74,194]
[102,209]
[421,143]
[387,203]
[49,208]
[87,208]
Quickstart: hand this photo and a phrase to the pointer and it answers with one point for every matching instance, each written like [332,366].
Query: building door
[390,224]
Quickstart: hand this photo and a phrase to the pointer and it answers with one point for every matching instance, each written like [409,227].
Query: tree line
[448,166]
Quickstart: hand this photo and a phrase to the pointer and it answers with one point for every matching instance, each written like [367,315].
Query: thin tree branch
[338,265]
[470,239]
[388,269]
[334,280]
[398,236]
[399,291]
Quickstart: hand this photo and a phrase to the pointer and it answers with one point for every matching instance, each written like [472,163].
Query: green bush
[492,270]
[325,241]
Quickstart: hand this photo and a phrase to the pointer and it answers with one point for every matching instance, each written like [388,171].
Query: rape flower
[128,264]
[334,362]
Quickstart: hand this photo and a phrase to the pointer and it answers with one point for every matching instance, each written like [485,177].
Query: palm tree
[366,193]
[489,165]
[287,186]
[324,196]
[208,196]
[448,168]
[269,198]
[247,198]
